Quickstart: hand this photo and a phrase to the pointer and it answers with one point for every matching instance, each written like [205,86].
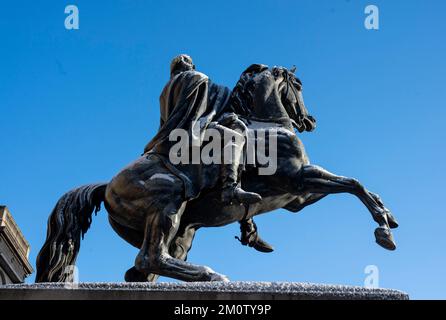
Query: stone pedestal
[196,291]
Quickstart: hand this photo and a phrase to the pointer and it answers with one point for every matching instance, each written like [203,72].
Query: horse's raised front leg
[317,180]
[304,201]
[154,256]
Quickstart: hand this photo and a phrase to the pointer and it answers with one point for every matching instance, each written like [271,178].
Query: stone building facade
[14,250]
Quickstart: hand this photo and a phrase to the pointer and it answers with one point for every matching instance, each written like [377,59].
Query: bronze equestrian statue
[157,205]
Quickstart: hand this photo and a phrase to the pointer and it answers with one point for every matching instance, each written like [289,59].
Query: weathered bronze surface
[157,206]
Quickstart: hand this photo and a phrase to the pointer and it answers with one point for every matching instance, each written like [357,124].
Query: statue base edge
[195,291]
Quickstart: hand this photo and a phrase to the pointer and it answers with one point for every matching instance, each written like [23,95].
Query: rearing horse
[146,204]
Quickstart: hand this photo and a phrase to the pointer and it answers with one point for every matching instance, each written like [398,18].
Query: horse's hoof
[133,275]
[215,277]
[384,238]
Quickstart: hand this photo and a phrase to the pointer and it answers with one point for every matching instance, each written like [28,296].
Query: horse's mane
[242,94]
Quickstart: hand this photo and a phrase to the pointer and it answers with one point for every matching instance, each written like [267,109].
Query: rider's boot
[233,193]
[230,175]
[251,238]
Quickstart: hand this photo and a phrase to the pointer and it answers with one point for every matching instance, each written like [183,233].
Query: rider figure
[230,172]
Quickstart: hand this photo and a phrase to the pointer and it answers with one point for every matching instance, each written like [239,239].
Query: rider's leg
[231,168]
[317,180]
[233,132]
[231,176]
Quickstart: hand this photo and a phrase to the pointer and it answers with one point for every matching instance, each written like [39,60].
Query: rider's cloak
[189,100]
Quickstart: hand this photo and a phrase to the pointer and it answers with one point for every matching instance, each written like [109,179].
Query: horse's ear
[293,69]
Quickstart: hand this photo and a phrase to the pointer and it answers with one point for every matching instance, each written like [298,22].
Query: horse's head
[272,94]
[290,90]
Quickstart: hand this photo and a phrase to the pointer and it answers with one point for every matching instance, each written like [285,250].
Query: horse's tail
[69,220]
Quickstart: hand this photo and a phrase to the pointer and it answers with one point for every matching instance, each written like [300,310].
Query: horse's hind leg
[135,238]
[317,180]
[154,256]
[179,247]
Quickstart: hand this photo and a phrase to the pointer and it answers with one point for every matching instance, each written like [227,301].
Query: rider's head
[181,63]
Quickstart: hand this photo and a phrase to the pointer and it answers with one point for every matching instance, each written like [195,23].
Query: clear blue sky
[77,106]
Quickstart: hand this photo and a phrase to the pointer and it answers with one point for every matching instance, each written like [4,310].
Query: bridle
[244,96]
